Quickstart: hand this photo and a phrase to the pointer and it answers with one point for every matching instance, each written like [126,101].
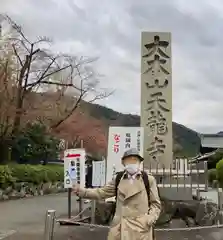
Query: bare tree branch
[48,87]
[17,55]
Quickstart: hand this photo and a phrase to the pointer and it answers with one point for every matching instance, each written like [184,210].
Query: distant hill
[186,141]
[90,123]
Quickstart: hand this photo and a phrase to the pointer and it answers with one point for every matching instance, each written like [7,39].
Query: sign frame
[118,143]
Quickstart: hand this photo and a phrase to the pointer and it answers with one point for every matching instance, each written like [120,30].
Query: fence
[181,178]
[84,231]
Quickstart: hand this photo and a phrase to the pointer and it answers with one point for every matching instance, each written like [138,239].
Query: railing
[84,230]
[181,174]
[180,166]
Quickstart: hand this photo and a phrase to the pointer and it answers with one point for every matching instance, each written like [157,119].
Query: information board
[98,173]
[119,140]
[74,167]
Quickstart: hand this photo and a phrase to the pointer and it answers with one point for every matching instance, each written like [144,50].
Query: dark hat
[132,152]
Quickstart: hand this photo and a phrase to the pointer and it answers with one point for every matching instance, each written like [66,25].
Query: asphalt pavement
[28,215]
[24,220]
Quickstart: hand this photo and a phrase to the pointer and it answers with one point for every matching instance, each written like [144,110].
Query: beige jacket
[132,220]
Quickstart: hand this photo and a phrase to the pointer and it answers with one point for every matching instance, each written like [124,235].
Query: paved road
[27,215]
[24,220]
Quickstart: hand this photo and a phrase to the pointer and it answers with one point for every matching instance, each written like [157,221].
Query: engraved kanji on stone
[157,101]
[156,47]
[157,123]
[156,65]
[157,148]
[157,84]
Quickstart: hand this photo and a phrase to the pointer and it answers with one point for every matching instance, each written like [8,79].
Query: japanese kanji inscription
[156,98]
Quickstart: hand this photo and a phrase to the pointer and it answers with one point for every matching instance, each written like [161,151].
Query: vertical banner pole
[80,199]
[69,202]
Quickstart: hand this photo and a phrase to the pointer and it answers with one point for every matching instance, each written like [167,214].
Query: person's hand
[76,189]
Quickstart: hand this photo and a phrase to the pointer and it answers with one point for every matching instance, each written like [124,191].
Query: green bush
[212,175]
[219,169]
[35,174]
[54,173]
[6,178]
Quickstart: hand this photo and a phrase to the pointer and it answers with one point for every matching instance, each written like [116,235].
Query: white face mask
[132,168]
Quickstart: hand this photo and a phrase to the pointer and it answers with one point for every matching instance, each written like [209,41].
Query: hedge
[212,175]
[219,168]
[36,174]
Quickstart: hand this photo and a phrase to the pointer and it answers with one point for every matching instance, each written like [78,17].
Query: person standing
[136,212]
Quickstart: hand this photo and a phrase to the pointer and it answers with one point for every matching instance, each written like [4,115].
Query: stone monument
[156,98]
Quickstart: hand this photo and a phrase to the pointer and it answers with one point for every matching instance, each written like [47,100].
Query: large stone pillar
[156,98]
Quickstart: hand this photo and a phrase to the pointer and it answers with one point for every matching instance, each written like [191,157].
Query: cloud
[112,30]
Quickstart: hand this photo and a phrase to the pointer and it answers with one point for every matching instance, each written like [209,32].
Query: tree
[7,101]
[91,131]
[35,144]
[213,160]
[177,150]
[48,87]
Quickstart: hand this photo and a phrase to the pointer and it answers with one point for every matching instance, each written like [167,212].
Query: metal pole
[206,175]
[220,198]
[198,194]
[80,199]
[49,225]
[80,206]
[69,202]
[220,206]
[93,207]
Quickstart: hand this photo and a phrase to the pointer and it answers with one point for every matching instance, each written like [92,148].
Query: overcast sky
[111,30]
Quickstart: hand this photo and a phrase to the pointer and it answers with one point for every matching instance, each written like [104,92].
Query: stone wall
[24,190]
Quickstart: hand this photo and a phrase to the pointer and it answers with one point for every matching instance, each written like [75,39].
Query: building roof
[204,157]
[212,135]
[213,141]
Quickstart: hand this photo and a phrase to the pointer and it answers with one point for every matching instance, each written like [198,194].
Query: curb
[5,234]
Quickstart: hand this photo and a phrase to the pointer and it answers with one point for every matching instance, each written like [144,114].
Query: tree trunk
[5,151]
[16,126]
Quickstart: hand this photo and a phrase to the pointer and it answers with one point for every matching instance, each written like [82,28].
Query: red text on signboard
[117,141]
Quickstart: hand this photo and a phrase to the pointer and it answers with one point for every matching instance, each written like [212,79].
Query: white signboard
[121,139]
[98,175]
[74,167]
